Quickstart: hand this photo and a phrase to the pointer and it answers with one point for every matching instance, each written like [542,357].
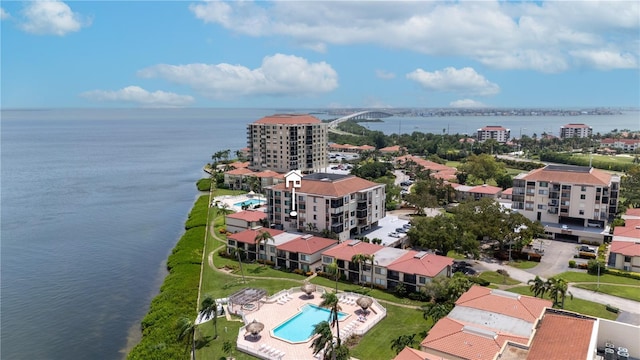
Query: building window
[231,242]
[327,260]
[583,196]
[583,188]
[581,212]
[422,280]
[542,207]
[543,191]
[544,184]
[627,259]
[315,217]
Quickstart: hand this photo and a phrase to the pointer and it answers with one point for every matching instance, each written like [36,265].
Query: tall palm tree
[538,286]
[359,259]
[237,252]
[187,333]
[335,271]
[372,259]
[330,301]
[559,288]
[208,308]
[324,341]
[263,237]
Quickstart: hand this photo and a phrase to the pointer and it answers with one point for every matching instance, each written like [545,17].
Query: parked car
[401,230]
[395,235]
[407,226]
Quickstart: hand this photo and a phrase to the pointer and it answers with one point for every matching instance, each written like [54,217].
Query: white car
[395,235]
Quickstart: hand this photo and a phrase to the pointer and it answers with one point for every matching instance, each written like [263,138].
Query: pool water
[300,327]
[249,202]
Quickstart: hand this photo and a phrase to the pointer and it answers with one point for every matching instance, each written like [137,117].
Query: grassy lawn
[376,344]
[607,158]
[220,192]
[578,305]
[495,278]
[524,264]
[453,254]
[575,276]
[627,292]
[211,348]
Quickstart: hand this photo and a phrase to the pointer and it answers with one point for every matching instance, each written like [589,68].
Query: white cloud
[606,60]
[51,17]
[4,14]
[385,75]
[138,95]
[279,75]
[463,81]
[542,36]
[466,103]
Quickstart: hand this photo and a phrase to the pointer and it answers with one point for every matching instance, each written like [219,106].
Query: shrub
[595,266]
[222,230]
[480,281]
[572,264]
[613,309]
[622,273]
[503,272]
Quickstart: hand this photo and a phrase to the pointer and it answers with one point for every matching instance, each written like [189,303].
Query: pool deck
[272,313]
[231,200]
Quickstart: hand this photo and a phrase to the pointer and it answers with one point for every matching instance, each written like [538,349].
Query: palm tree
[263,237]
[538,286]
[372,259]
[359,259]
[559,288]
[330,301]
[187,333]
[209,308]
[237,252]
[324,341]
[437,311]
[335,271]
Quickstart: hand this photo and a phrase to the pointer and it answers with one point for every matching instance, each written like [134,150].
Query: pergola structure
[247,296]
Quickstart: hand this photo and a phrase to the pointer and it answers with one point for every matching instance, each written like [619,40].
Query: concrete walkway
[625,305]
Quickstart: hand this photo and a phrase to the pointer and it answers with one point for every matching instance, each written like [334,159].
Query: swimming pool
[299,328]
[250,202]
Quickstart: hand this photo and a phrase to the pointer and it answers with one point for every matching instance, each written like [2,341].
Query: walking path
[524,276]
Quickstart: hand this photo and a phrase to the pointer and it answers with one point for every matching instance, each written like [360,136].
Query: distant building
[624,252]
[575,130]
[497,133]
[464,192]
[243,220]
[350,148]
[284,142]
[576,197]
[625,145]
[343,204]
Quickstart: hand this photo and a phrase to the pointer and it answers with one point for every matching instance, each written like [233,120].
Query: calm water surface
[93,201]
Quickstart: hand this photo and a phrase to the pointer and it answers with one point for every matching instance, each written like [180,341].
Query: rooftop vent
[354,243]
[506,294]
[479,332]
[307,236]
[420,255]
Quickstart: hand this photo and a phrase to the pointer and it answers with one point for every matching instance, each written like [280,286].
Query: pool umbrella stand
[254,328]
[308,289]
[364,303]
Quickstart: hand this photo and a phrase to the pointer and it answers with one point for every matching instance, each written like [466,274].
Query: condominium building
[497,133]
[343,204]
[575,130]
[577,197]
[284,142]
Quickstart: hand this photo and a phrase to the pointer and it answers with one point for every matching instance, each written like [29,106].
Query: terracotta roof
[238,164]
[561,337]
[486,189]
[467,341]
[576,126]
[248,215]
[249,236]
[288,119]
[633,212]
[412,354]
[420,263]
[631,229]
[240,171]
[527,308]
[508,191]
[267,174]
[427,164]
[340,187]
[445,174]
[307,244]
[395,148]
[592,177]
[346,249]
[625,248]
[494,128]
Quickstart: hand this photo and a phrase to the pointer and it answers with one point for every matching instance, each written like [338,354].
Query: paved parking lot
[556,257]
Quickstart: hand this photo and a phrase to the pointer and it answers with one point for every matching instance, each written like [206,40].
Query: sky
[319,54]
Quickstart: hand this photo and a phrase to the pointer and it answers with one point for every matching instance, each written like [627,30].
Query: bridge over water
[361,115]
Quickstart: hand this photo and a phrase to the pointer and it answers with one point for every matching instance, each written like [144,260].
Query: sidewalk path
[523,276]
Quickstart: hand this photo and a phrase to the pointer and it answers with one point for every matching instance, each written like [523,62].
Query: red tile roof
[249,236]
[340,187]
[593,177]
[420,263]
[486,189]
[633,212]
[631,229]
[561,337]
[268,174]
[508,191]
[625,248]
[389,149]
[576,126]
[288,119]
[346,249]
[412,354]
[307,245]
[240,171]
[427,164]
[248,215]
[522,307]
[494,128]
[238,164]
[467,342]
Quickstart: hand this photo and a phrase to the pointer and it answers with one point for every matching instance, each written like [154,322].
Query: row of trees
[472,221]
[557,288]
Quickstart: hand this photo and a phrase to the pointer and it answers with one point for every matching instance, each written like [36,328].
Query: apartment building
[575,130]
[284,142]
[578,198]
[343,204]
[625,145]
[495,132]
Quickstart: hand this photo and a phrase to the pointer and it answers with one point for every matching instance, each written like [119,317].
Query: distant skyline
[312,54]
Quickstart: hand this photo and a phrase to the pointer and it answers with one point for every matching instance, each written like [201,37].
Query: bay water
[93,201]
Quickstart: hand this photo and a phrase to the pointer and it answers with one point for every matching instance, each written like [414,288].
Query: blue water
[93,200]
[250,202]
[300,327]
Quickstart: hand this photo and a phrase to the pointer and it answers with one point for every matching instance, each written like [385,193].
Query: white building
[575,130]
[497,133]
